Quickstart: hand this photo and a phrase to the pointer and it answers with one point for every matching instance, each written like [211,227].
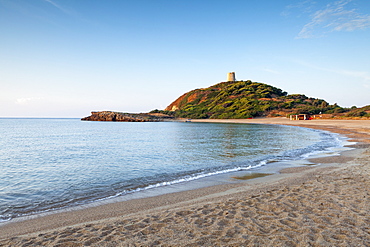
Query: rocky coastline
[126,117]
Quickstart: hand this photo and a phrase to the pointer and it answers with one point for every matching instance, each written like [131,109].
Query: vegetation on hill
[358,112]
[246,99]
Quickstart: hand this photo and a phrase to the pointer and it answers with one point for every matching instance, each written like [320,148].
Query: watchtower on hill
[231,76]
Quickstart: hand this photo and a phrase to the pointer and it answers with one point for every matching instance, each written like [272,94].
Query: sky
[66,58]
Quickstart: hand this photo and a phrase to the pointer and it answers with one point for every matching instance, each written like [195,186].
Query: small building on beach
[300,117]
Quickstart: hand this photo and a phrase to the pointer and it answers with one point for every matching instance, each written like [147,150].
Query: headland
[112,116]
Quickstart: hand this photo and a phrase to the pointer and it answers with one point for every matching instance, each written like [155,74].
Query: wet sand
[320,205]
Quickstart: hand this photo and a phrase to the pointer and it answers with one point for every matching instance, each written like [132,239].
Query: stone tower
[231,76]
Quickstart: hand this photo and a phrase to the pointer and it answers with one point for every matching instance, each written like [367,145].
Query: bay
[47,164]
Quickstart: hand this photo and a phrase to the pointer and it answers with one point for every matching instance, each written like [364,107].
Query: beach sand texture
[325,205]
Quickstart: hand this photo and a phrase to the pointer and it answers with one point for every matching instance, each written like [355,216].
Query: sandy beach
[327,204]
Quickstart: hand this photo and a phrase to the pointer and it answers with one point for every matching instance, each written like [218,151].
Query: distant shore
[326,204]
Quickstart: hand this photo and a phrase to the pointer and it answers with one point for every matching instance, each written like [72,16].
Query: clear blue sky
[65,58]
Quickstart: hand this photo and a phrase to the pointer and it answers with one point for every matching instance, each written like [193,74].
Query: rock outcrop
[126,117]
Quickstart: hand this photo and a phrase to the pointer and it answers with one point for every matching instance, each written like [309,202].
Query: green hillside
[246,99]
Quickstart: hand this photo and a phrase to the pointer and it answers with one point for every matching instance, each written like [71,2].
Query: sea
[54,164]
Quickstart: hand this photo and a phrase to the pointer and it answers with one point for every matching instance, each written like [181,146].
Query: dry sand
[323,205]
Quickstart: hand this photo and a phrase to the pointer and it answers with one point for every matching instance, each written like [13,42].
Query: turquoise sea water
[47,164]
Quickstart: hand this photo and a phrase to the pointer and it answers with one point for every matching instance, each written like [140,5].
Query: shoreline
[143,221]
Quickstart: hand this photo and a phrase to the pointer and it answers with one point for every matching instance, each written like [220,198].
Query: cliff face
[126,117]
[176,104]
[196,96]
